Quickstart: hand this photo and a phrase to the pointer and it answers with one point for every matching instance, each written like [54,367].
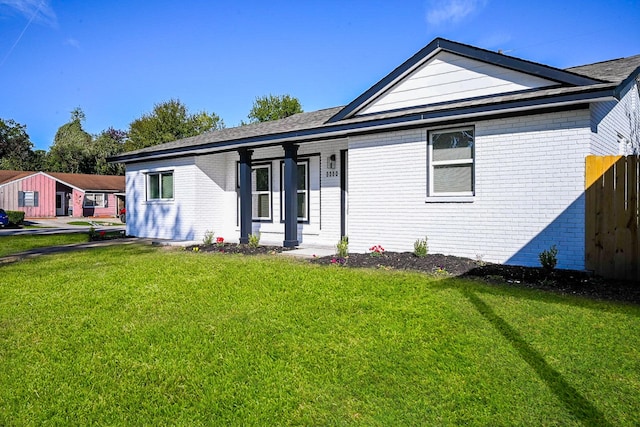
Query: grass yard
[137,335]
[24,242]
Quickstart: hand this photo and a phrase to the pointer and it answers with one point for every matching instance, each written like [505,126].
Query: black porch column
[290,196]
[245,194]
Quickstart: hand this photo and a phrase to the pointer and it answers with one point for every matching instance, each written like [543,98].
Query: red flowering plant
[338,261]
[376,250]
[220,241]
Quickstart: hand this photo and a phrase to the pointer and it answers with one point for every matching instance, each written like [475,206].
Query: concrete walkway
[32,253]
[60,225]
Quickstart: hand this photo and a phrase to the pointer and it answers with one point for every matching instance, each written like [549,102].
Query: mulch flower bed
[106,235]
[232,248]
[569,282]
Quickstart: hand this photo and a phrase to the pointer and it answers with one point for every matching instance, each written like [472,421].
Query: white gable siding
[449,77]
[529,192]
[613,119]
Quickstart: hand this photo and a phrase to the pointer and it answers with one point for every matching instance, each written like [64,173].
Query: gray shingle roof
[615,70]
[300,121]
[608,74]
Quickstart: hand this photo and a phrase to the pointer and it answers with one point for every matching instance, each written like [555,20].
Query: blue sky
[116,59]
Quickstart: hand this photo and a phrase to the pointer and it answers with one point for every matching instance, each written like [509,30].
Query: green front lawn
[144,336]
[24,242]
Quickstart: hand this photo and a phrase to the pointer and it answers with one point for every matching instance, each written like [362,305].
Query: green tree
[169,121]
[39,161]
[267,108]
[108,143]
[71,149]
[15,146]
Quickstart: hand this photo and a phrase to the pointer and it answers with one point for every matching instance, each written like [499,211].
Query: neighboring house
[481,152]
[51,194]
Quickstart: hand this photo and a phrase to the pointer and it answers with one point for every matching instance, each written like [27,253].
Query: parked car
[4,218]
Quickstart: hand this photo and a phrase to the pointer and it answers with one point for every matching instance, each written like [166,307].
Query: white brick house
[481,152]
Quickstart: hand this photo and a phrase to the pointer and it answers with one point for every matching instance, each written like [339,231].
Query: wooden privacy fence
[612,214]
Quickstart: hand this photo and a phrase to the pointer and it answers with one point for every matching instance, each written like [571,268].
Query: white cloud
[451,11]
[72,42]
[34,10]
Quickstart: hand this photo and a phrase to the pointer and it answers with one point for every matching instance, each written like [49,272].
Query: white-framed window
[261,192]
[95,200]
[451,162]
[160,185]
[27,199]
[303,190]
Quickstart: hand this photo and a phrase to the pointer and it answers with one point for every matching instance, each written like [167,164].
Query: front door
[61,203]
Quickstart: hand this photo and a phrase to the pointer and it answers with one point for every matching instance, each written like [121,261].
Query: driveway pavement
[61,225]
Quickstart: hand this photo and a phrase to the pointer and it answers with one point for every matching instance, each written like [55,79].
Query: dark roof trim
[466,120]
[356,128]
[634,76]
[472,52]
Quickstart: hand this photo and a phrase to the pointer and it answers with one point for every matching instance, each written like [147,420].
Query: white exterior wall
[529,175]
[206,198]
[198,189]
[613,119]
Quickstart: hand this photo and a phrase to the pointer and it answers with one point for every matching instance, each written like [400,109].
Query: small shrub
[254,240]
[342,248]
[376,250]
[549,258]
[208,238]
[420,247]
[15,217]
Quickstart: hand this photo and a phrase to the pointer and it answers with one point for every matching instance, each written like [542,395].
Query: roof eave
[354,128]
[621,89]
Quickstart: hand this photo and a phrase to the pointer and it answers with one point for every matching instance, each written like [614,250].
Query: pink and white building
[51,194]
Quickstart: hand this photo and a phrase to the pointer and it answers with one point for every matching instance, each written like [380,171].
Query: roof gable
[450,77]
[448,71]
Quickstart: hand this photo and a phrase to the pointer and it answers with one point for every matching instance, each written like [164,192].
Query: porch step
[310,252]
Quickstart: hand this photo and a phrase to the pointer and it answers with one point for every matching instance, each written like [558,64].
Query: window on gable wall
[451,162]
[303,190]
[160,186]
